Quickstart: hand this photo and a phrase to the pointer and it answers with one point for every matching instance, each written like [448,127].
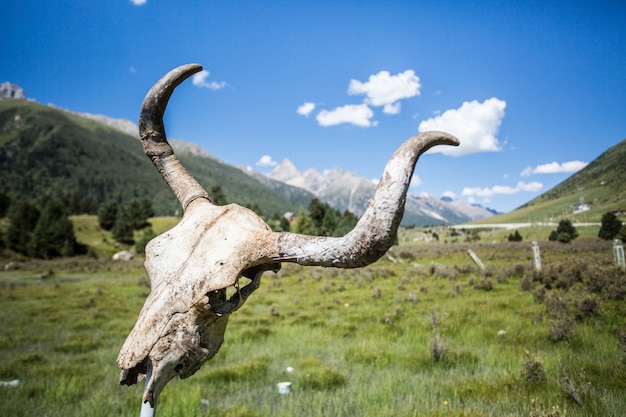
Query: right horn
[154,140]
[375,231]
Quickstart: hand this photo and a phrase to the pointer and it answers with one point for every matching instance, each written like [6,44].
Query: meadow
[422,332]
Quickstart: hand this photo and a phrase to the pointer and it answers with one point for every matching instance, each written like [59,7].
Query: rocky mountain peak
[8,90]
[285,171]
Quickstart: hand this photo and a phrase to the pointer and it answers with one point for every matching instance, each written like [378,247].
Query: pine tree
[317,212]
[5,203]
[107,215]
[610,226]
[515,237]
[565,231]
[54,233]
[137,214]
[123,230]
[346,223]
[303,224]
[23,218]
[146,236]
[217,196]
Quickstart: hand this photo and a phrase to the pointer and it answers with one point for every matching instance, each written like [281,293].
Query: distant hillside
[601,184]
[47,151]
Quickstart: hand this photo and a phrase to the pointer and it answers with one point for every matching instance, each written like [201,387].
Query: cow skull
[183,320]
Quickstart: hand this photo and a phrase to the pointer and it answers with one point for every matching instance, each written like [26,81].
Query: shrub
[610,226]
[538,410]
[564,233]
[515,237]
[534,372]
[587,306]
[485,285]
[526,283]
[146,236]
[561,324]
[438,348]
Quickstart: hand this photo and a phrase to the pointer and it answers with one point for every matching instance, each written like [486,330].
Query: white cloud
[356,114]
[532,187]
[475,124]
[266,161]
[384,89]
[306,108]
[449,194]
[416,181]
[132,70]
[392,108]
[555,168]
[199,80]
[138,2]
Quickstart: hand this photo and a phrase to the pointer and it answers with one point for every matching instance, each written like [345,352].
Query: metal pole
[147,409]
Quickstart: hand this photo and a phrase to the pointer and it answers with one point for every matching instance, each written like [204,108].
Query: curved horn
[154,140]
[375,231]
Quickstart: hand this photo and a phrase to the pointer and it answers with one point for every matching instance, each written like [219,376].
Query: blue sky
[533,89]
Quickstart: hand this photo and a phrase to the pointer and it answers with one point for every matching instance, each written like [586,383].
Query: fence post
[476,259]
[537,256]
[618,253]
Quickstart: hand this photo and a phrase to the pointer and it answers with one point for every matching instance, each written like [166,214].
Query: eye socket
[179,368]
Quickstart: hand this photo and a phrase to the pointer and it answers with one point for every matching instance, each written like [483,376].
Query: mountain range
[347,191]
[46,149]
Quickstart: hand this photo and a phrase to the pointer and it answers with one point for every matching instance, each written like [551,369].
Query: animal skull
[183,320]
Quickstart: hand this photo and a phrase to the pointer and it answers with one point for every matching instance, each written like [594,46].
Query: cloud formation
[200,80]
[138,2]
[416,181]
[356,114]
[266,161]
[554,168]
[306,108]
[532,187]
[475,124]
[384,89]
[380,90]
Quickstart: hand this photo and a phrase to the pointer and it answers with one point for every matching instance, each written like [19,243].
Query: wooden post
[536,256]
[618,253]
[476,259]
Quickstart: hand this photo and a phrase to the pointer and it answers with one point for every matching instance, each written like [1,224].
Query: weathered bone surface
[183,320]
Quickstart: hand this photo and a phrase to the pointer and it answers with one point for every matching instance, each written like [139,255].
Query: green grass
[359,341]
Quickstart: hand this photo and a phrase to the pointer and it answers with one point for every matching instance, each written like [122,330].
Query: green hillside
[602,183]
[45,151]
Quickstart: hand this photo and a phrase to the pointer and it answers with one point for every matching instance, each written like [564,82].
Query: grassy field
[422,332]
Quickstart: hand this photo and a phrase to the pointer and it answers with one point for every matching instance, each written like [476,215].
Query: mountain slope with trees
[49,152]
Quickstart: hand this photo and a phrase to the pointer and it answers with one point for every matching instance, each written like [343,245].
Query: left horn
[154,140]
[374,233]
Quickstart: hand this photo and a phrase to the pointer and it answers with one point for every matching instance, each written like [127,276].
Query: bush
[515,237]
[610,226]
[534,372]
[146,236]
[564,233]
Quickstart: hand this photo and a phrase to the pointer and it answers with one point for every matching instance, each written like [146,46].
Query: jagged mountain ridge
[347,191]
